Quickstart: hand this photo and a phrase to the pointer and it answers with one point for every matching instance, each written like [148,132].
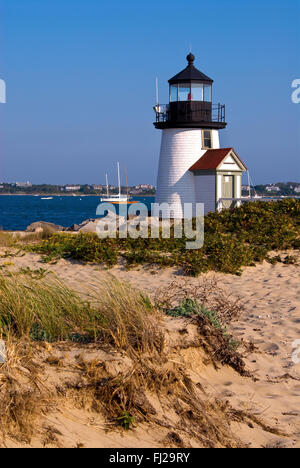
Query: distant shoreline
[64,195]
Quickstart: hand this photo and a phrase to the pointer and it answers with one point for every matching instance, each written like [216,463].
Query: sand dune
[271,322]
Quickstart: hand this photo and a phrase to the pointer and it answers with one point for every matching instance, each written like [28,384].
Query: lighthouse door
[227,190]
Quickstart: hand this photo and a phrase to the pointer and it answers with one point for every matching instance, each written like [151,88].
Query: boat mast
[119,179]
[249,184]
[107,188]
[127,191]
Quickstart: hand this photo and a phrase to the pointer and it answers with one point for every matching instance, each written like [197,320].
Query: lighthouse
[193,168]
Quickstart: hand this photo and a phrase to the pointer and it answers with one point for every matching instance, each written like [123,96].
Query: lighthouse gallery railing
[215,114]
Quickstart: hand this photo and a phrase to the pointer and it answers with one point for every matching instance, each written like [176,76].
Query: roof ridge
[190,73]
[209,161]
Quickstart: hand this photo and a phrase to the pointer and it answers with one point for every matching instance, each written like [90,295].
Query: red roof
[212,159]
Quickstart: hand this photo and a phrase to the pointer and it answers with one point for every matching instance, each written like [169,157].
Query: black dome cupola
[191,73]
[190,103]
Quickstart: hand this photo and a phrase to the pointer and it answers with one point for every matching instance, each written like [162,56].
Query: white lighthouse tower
[190,126]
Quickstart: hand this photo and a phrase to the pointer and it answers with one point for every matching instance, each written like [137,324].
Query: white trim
[231,162]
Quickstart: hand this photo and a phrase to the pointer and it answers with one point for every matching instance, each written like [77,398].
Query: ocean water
[17,212]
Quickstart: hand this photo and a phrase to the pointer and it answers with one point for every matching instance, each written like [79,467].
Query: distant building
[98,187]
[23,184]
[272,188]
[297,189]
[144,187]
[72,188]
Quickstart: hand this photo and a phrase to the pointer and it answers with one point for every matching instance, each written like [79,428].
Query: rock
[79,227]
[109,223]
[73,228]
[2,352]
[89,227]
[42,226]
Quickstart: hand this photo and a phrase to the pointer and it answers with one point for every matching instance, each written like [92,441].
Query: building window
[207,139]
[207,93]
[197,92]
[184,92]
[173,93]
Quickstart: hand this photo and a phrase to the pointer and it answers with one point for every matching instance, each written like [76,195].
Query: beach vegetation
[44,309]
[126,420]
[6,239]
[234,239]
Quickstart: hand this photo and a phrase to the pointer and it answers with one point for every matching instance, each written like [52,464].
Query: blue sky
[81,83]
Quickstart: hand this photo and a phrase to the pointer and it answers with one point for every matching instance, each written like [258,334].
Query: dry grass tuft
[127,394]
[206,292]
[6,239]
[23,397]
[219,347]
[44,309]
[33,237]
[129,321]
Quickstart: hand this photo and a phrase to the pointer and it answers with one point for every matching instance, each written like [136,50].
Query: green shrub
[190,307]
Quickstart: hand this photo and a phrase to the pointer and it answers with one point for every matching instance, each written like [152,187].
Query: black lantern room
[190,102]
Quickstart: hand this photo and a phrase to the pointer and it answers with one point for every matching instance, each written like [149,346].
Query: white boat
[116,199]
[47,198]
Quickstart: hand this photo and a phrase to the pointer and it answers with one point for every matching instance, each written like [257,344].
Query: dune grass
[6,239]
[46,309]
[116,318]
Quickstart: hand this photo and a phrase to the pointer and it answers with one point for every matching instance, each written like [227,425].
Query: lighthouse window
[197,92]
[173,93]
[207,93]
[207,139]
[184,92]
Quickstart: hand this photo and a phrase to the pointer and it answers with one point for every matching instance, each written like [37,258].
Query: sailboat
[117,199]
[250,184]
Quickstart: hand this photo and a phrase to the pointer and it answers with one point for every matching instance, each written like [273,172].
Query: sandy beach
[268,328]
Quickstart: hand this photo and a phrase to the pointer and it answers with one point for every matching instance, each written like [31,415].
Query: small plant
[39,273]
[190,307]
[126,420]
[274,260]
[290,260]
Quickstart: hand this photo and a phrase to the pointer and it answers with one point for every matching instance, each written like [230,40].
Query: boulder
[78,227]
[42,226]
[89,227]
